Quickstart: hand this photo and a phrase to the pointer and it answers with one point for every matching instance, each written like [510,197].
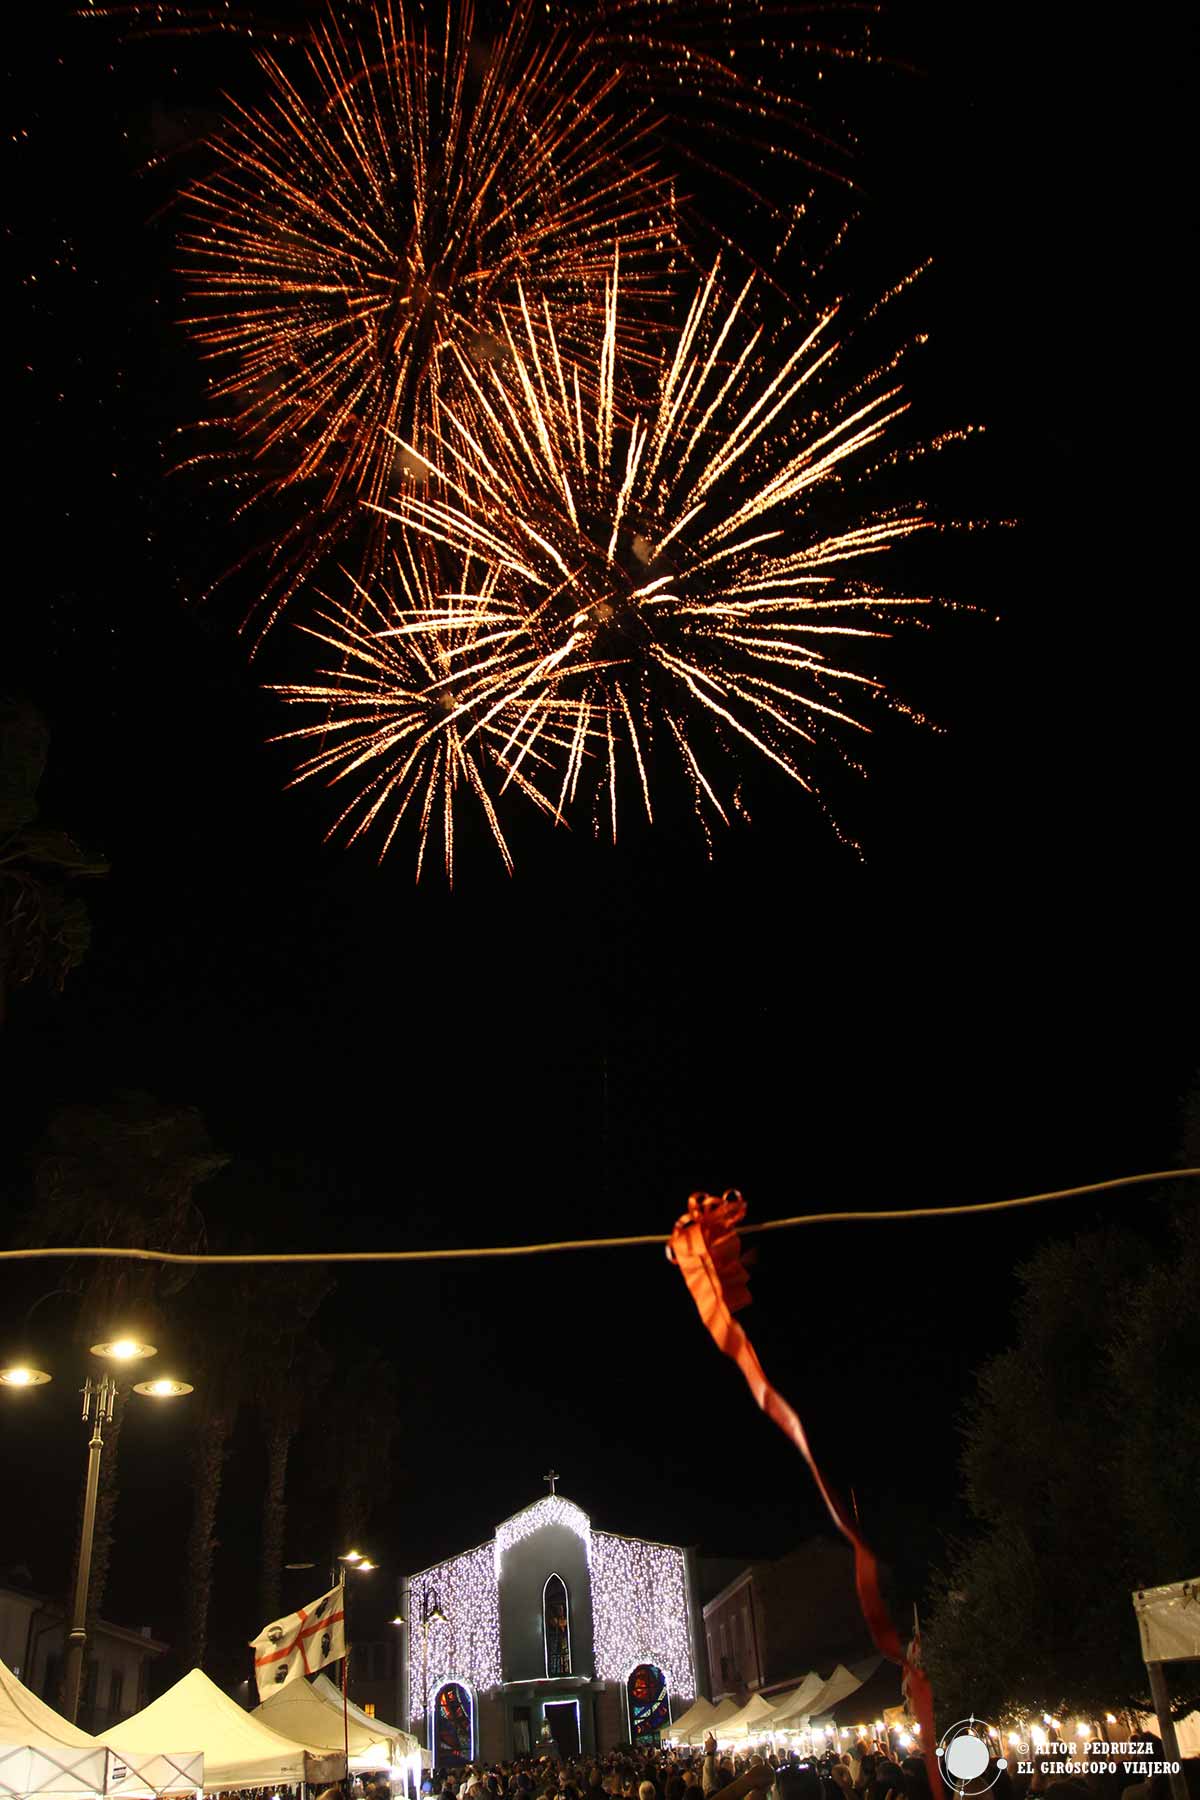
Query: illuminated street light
[22,1375]
[125,1349]
[99,1400]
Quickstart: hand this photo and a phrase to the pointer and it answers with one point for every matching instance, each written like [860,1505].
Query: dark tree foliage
[1081,1468]
[44,925]
[125,1172]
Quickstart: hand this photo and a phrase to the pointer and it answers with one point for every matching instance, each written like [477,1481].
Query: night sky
[997,997]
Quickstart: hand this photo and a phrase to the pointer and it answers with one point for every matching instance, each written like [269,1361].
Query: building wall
[373,1676]
[524,1569]
[733,1639]
[490,1728]
[808,1611]
[778,1620]
[611,1726]
[116,1668]
[16,1611]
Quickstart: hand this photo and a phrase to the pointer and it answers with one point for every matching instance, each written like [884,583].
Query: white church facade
[550,1630]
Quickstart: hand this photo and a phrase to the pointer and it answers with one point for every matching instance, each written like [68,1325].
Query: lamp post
[99,1400]
[431,1614]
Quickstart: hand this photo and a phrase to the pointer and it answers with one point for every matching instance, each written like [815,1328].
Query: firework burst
[361,239]
[400,714]
[666,580]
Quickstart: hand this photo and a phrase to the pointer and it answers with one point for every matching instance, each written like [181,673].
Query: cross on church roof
[552,1476]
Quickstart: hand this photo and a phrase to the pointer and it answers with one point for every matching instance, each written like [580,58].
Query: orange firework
[358,247]
[665,587]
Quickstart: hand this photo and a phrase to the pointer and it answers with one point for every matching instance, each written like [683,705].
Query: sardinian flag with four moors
[300,1644]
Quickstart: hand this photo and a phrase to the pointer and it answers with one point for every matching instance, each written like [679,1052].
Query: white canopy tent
[753,1720]
[41,1752]
[692,1723]
[44,1755]
[239,1751]
[792,1710]
[841,1684]
[311,1713]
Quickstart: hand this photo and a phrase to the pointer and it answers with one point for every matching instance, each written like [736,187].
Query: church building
[550,1631]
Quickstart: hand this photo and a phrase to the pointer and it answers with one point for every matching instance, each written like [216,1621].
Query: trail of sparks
[664,579]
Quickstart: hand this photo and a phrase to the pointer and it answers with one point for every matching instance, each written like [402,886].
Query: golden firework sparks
[418,703]
[668,578]
[363,234]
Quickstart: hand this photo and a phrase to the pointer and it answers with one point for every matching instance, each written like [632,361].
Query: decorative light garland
[465,1645]
[640,1611]
[551,1509]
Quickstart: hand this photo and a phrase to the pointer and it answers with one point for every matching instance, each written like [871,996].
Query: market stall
[867,1691]
[691,1724]
[41,1753]
[311,1712]
[752,1721]
[44,1757]
[239,1750]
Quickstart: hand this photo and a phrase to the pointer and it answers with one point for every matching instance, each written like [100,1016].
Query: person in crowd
[916,1778]
[794,1783]
[842,1779]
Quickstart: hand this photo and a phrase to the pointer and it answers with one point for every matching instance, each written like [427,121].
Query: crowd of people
[869,1770]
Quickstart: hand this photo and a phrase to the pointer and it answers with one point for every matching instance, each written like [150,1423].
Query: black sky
[999,997]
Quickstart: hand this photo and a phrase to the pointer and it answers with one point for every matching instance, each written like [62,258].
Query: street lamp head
[124,1349]
[365,1565]
[22,1375]
[396,1621]
[351,1556]
[163,1387]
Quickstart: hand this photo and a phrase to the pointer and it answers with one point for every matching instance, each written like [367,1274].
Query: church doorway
[562,1716]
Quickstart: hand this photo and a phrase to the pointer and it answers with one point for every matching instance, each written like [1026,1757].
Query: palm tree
[292,1371]
[363,1406]
[219,1339]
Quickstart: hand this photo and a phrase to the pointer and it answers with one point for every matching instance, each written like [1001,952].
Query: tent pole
[346,1709]
[1160,1694]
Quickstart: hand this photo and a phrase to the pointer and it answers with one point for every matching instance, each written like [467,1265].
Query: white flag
[300,1644]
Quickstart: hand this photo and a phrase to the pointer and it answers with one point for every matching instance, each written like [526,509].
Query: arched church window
[452,1725]
[556,1626]
[649,1706]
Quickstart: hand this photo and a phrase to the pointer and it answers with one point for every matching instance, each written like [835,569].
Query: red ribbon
[707,1251]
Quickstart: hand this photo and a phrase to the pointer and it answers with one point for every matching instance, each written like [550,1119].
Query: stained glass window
[649,1706]
[556,1625]
[452,1715]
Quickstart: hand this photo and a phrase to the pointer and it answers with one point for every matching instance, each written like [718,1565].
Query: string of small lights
[884,1215]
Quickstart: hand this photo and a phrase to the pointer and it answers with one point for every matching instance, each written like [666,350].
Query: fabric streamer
[706,1249]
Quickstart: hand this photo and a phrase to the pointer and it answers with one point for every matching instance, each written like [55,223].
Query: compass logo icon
[970,1756]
